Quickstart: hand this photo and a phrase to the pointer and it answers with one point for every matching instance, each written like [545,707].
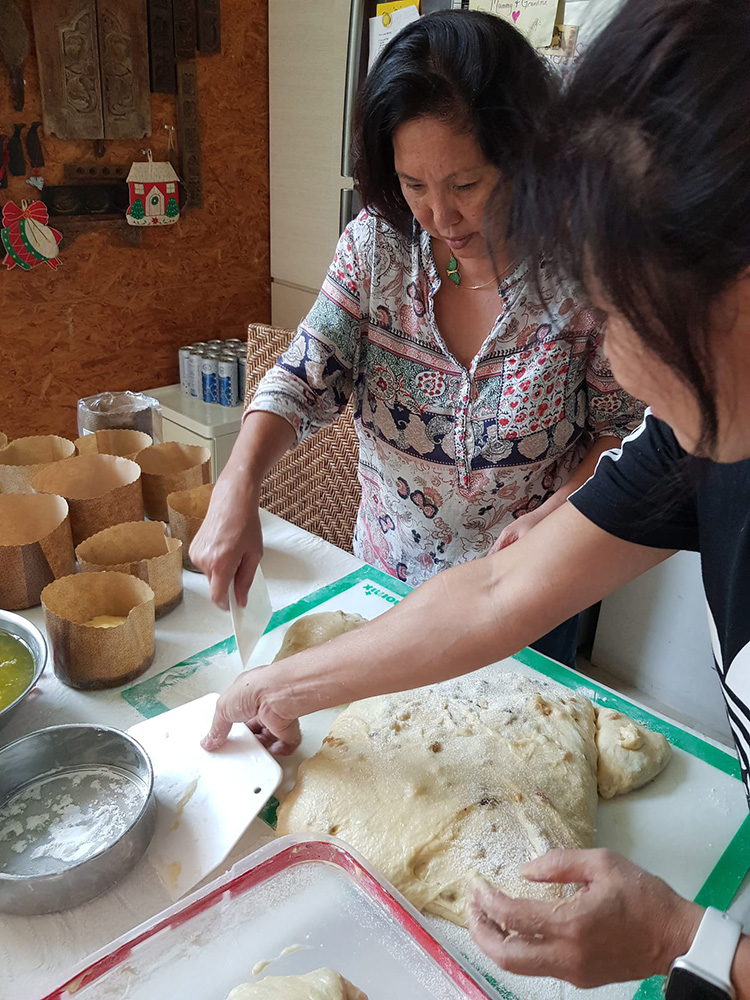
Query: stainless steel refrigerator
[318,54]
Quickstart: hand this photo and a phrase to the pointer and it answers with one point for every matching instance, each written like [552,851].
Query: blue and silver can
[194,372]
[228,380]
[184,357]
[210,379]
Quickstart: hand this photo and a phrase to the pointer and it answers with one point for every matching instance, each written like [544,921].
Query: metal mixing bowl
[63,754]
[33,639]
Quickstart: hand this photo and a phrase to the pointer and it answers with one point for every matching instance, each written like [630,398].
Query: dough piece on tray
[629,755]
[469,777]
[323,984]
[312,630]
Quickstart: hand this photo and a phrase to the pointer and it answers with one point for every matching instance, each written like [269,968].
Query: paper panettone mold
[25,457]
[101,490]
[170,467]
[36,547]
[115,441]
[87,653]
[187,509]
[143,549]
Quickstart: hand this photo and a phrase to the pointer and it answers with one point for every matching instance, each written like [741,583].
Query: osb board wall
[112,317]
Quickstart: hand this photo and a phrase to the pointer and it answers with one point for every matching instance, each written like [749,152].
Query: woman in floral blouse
[480,399]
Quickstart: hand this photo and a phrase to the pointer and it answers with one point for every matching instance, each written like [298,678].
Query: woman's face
[649,379]
[446,182]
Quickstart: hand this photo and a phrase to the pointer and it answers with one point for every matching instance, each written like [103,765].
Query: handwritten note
[534,18]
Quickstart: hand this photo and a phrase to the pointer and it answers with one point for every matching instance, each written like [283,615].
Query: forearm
[263,440]
[463,618]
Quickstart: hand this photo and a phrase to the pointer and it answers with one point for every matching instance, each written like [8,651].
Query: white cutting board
[205,801]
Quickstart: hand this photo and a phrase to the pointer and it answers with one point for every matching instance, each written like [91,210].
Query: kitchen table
[39,953]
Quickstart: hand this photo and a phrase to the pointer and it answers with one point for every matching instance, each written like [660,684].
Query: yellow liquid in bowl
[16,668]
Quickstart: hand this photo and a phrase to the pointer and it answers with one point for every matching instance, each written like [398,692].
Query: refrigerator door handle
[353,55]
[345,208]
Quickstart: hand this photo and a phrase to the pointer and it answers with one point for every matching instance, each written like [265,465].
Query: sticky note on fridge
[387,26]
[388,8]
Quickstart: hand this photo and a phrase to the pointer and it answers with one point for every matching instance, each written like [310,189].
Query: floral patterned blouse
[448,455]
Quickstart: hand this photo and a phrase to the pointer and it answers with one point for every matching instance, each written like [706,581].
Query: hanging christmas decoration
[153,194]
[27,238]
[4,160]
[16,162]
[35,155]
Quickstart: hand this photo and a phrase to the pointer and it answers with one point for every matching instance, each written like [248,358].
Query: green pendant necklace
[452,271]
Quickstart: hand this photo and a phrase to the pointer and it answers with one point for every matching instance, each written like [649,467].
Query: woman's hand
[622,923]
[521,526]
[245,701]
[229,544]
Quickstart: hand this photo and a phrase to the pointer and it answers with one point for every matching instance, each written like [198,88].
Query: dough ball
[312,630]
[323,984]
[437,785]
[629,755]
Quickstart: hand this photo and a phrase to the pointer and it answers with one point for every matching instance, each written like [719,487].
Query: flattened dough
[323,984]
[469,777]
[629,755]
[312,630]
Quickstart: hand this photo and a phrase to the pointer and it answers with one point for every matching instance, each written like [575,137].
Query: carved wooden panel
[188,133]
[69,71]
[209,26]
[185,36]
[93,68]
[161,46]
[123,50]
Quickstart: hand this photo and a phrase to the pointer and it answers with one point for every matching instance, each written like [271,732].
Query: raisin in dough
[472,776]
[629,755]
[312,630]
[323,984]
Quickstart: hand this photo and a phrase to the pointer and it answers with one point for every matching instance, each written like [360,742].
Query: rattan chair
[315,485]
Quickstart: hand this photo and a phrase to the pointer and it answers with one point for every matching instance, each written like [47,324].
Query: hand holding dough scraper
[205,801]
[250,622]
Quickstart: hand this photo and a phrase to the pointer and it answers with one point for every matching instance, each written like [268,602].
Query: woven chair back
[315,485]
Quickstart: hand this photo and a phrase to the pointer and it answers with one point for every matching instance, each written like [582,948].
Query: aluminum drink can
[194,372]
[241,377]
[210,379]
[228,380]
[184,356]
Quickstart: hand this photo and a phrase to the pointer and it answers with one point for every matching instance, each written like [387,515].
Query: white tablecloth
[37,954]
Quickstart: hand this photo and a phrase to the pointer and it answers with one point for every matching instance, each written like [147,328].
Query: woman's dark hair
[640,185]
[468,68]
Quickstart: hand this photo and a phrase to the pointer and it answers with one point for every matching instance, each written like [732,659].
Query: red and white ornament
[27,238]
[154,200]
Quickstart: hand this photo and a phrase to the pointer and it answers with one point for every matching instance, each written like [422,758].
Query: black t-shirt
[652,492]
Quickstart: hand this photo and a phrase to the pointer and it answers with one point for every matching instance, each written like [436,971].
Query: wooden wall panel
[111,316]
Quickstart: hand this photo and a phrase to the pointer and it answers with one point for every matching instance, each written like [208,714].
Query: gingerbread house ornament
[153,194]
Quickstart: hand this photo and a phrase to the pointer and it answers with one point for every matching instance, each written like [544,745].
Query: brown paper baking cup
[22,459]
[36,547]
[124,443]
[89,658]
[187,509]
[142,549]
[170,467]
[101,490]
[3,439]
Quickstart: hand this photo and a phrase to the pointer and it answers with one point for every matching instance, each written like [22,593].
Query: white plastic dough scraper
[249,623]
